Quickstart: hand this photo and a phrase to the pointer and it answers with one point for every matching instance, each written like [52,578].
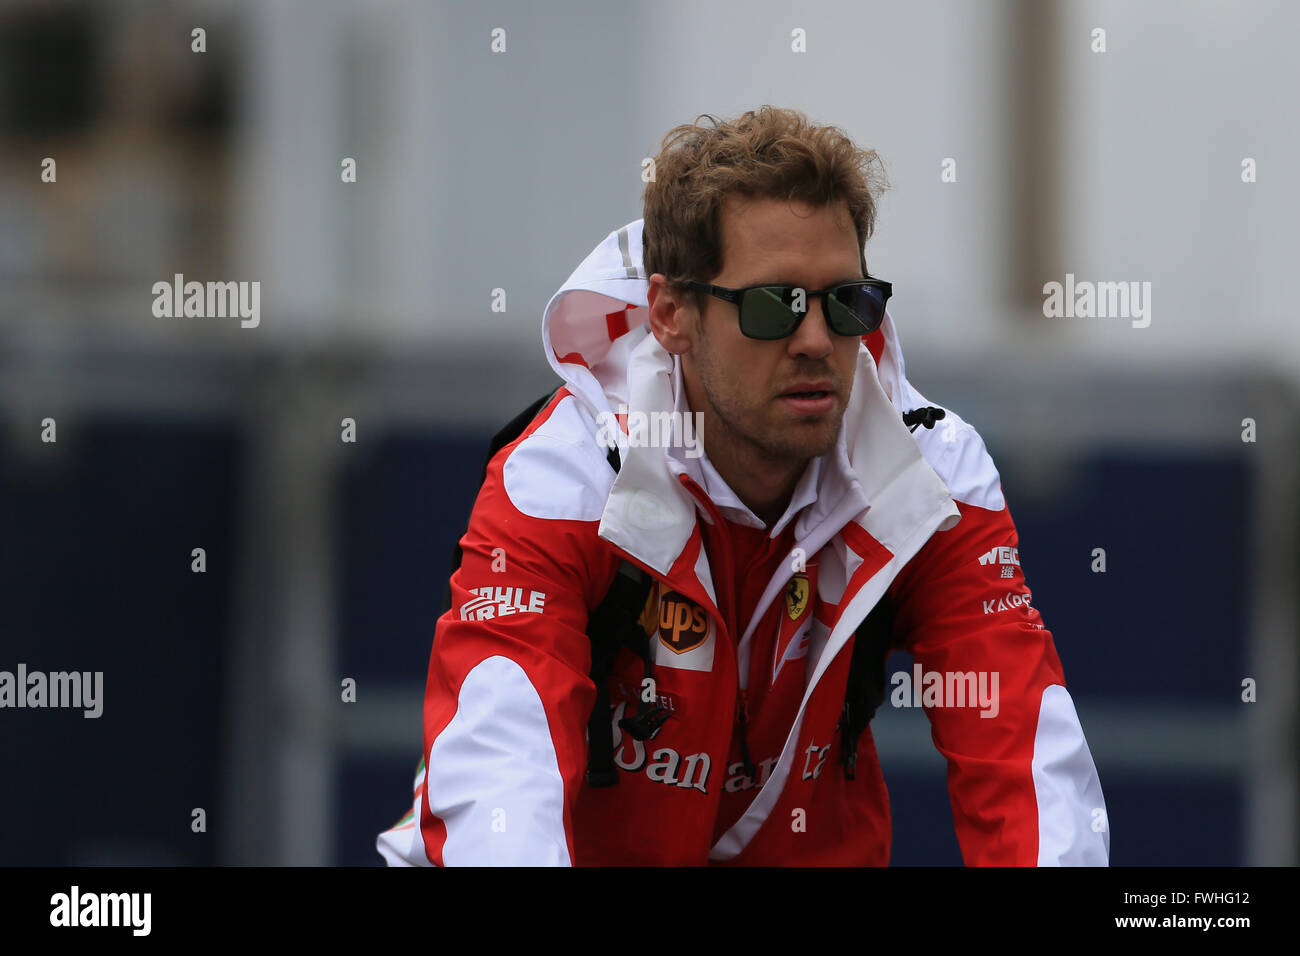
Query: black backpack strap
[504,436]
[613,625]
[865,691]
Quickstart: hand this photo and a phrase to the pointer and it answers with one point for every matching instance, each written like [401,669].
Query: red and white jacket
[919,517]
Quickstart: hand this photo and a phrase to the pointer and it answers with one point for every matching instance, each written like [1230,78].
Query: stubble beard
[801,441]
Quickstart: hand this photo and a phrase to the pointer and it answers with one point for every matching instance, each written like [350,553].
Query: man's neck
[764,485]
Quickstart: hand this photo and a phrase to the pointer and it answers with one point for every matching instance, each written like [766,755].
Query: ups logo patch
[683,625]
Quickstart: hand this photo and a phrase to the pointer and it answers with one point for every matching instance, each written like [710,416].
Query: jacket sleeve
[1021,779]
[508,694]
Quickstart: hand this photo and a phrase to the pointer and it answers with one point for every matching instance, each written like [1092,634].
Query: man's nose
[813,337]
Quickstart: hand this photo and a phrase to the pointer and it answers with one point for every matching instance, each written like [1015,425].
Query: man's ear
[672,315]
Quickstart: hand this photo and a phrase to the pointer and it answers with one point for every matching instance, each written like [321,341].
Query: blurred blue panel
[402,508]
[922,818]
[1169,619]
[102,582]
[373,793]
[1181,820]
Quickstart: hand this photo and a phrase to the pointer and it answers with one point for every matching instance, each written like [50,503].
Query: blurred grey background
[479,170]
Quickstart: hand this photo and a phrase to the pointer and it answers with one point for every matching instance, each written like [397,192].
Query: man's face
[747,382]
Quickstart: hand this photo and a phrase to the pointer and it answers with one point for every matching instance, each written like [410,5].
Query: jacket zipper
[741,722]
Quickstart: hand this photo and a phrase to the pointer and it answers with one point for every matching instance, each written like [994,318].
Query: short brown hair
[765,153]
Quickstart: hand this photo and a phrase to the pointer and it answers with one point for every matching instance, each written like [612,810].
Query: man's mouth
[809,389]
[811,398]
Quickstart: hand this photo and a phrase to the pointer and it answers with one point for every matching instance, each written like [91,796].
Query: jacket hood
[599,315]
[597,338]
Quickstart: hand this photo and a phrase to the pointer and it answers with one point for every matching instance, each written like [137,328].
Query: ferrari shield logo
[796,596]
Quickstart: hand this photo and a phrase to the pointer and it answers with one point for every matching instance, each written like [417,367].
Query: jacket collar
[875,476]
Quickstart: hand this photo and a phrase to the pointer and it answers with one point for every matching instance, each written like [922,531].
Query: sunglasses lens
[773,312]
[767,313]
[857,308]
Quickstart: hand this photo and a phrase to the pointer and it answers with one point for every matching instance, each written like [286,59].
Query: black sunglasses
[775,311]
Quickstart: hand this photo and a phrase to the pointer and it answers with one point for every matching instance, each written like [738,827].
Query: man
[811,512]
